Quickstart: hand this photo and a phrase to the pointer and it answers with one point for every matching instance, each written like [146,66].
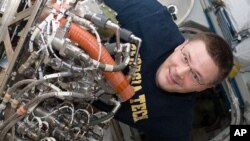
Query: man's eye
[196,77]
[185,58]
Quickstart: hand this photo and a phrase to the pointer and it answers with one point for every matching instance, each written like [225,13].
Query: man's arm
[117,5]
[130,11]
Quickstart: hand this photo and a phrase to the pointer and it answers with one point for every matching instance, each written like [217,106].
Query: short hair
[219,51]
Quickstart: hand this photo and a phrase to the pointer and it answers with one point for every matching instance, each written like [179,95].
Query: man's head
[197,64]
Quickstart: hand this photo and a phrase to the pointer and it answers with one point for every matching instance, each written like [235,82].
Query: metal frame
[5,22]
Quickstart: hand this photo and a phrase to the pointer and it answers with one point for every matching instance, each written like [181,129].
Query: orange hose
[88,42]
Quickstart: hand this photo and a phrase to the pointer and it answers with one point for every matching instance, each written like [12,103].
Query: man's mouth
[171,78]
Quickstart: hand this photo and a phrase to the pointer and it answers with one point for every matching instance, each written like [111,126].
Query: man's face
[189,68]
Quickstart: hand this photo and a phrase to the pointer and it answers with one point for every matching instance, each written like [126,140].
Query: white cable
[44,44]
[48,139]
[49,114]
[52,139]
[79,131]
[47,20]
[83,134]
[54,87]
[98,39]
[41,49]
[55,26]
[39,121]
[56,75]
[85,111]
[39,29]
[40,73]
[91,108]
[48,29]
[32,38]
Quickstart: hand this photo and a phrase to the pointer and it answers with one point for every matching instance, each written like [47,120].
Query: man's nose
[182,70]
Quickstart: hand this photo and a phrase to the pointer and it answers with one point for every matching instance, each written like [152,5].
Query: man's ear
[181,45]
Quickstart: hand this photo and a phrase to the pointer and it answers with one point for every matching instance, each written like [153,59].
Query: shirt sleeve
[151,21]
[133,10]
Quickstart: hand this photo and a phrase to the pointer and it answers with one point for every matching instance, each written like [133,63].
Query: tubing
[88,42]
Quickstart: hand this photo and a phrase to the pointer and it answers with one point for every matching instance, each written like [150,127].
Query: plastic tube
[37,82]
[18,84]
[88,42]
[109,116]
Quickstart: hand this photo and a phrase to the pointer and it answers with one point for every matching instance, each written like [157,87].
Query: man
[169,70]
